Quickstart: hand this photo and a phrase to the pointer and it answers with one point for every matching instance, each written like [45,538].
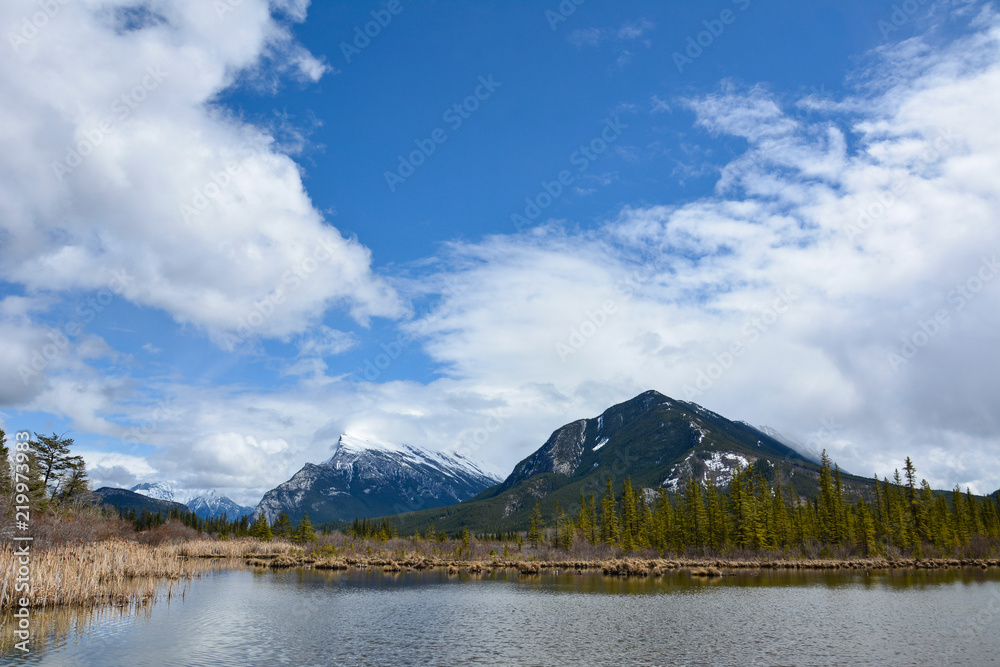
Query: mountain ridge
[655,440]
[365,478]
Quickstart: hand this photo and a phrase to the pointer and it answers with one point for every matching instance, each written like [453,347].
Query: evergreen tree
[595,530]
[610,533]
[826,510]
[74,486]
[282,526]
[629,523]
[261,529]
[716,518]
[52,457]
[535,531]
[583,517]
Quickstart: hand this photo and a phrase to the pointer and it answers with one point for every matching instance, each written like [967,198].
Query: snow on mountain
[159,490]
[366,477]
[211,505]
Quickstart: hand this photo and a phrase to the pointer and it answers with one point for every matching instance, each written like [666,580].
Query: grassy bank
[117,572]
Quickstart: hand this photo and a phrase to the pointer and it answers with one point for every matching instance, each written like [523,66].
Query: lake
[305,617]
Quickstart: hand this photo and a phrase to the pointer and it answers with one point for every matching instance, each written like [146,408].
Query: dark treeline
[221,525]
[755,514]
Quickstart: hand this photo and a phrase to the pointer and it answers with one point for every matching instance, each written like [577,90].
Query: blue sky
[783,211]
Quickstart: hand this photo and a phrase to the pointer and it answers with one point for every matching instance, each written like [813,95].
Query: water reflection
[303,617]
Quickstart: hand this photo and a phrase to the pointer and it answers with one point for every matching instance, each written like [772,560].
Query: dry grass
[118,572]
[239,549]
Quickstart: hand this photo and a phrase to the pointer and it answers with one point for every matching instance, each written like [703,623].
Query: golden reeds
[109,572]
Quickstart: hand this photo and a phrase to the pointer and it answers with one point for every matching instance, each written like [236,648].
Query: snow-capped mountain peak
[368,477]
[350,446]
[212,505]
[160,490]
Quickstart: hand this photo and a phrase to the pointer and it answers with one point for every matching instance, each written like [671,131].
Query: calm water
[312,618]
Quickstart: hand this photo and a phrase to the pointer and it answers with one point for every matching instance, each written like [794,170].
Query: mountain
[365,478]
[657,441]
[804,450]
[159,490]
[123,498]
[211,506]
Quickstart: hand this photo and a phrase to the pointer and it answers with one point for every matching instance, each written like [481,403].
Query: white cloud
[627,32]
[116,159]
[537,329]
[873,237]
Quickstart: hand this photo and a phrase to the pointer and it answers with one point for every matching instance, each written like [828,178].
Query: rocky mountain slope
[365,478]
[657,441]
[211,506]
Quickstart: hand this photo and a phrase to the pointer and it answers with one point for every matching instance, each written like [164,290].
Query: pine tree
[826,510]
[583,517]
[74,485]
[779,518]
[868,545]
[282,526]
[610,533]
[595,529]
[535,531]
[629,522]
[261,529]
[960,522]
[50,462]
[663,521]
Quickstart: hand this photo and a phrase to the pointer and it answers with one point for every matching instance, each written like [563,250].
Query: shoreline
[622,567]
[122,573]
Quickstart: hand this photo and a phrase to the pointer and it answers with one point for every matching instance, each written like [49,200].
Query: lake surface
[306,617]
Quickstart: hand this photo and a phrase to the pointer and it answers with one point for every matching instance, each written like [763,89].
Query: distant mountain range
[212,506]
[366,478]
[657,441]
[207,506]
[129,500]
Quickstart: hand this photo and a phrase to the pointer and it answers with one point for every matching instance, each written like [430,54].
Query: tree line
[755,513]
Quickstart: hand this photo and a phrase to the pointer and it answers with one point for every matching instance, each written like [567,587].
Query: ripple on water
[430,618]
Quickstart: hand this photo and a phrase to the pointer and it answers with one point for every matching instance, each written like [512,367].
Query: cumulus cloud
[854,274]
[118,160]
